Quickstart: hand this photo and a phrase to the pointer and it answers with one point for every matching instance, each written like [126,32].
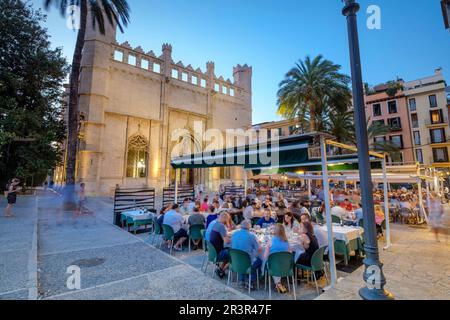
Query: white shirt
[321,235]
[173,219]
[248,213]
[339,212]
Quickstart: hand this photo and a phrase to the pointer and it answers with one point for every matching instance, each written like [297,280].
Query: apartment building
[428,106]
[390,108]
[282,128]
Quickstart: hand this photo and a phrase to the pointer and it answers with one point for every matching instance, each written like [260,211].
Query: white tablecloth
[345,233]
[138,215]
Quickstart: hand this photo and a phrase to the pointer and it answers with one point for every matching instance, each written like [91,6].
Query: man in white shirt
[339,212]
[175,220]
[248,211]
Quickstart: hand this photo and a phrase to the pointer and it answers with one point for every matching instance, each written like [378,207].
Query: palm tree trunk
[72,137]
[312,119]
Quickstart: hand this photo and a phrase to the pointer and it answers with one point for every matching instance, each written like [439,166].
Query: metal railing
[430,122]
[315,153]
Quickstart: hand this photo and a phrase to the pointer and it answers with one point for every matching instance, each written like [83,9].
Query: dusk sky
[272,35]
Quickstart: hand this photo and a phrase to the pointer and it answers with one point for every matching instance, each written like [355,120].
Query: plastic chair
[280,264]
[254,221]
[205,249]
[340,247]
[195,233]
[212,257]
[335,219]
[157,230]
[240,263]
[317,264]
[169,235]
[319,217]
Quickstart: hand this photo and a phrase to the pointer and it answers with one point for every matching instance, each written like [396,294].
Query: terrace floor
[41,242]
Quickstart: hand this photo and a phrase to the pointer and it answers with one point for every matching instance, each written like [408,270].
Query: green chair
[205,249]
[340,247]
[317,264]
[361,223]
[123,219]
[319,217]
[254,221]
[240,263]
[157,231]
[169,235]
[195,233]
[280,264]
[212,257]
[335,219]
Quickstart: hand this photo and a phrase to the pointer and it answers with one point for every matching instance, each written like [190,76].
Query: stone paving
[416,267]
[114,264]
[18,250]
[41,242]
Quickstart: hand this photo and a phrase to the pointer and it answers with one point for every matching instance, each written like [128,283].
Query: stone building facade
[131,102]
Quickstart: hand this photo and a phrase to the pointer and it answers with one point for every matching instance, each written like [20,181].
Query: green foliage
[312,87]
[31,77]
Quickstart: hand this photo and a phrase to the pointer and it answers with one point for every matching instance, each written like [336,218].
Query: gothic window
[137,157]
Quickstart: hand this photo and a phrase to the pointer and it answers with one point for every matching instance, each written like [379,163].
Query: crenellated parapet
[149,61]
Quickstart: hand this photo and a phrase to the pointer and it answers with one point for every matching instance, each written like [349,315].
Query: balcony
[395,128]
[445,140]
[441,122]
[334,152]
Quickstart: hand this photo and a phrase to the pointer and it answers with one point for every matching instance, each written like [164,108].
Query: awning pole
[326,191]
[245,183]
[309,189]
[176,185]
[386,206]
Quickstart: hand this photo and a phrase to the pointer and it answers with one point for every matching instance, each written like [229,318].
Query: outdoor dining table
[137,218]
[347,239]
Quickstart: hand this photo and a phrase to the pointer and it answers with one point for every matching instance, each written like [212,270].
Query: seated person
[290,223]
[194,220]
[347,205]
[310,243]
[175,220]
[204,206]
[185,207]
[212,215]
[278,243]
[218,237]
[248,211]
[266,219]
[246,241]
[338,211]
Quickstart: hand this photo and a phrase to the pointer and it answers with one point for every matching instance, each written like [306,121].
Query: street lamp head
[351,7]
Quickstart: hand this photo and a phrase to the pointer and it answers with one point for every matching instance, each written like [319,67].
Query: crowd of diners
[228,220]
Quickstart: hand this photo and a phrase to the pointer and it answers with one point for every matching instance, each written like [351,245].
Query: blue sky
[272,35]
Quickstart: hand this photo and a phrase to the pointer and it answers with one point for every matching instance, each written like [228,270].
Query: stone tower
[93,98]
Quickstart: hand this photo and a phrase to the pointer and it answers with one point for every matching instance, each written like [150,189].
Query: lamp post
[373,273]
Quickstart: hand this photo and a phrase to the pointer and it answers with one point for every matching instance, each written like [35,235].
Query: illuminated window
[184,76]
[203,83]
[157,68]
[194,80]
[232,92]
[216,87]
[175,73]
[137,157]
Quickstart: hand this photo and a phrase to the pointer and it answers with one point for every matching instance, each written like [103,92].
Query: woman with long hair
[11,196]
[278,243]
[310,243]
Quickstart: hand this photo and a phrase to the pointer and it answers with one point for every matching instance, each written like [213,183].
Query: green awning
[288,153]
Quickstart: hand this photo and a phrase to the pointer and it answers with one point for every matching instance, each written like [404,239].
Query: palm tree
[117,13]
[308,85]
[341,126]
[377,130]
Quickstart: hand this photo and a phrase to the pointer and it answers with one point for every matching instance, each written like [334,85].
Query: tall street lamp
[373,273]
